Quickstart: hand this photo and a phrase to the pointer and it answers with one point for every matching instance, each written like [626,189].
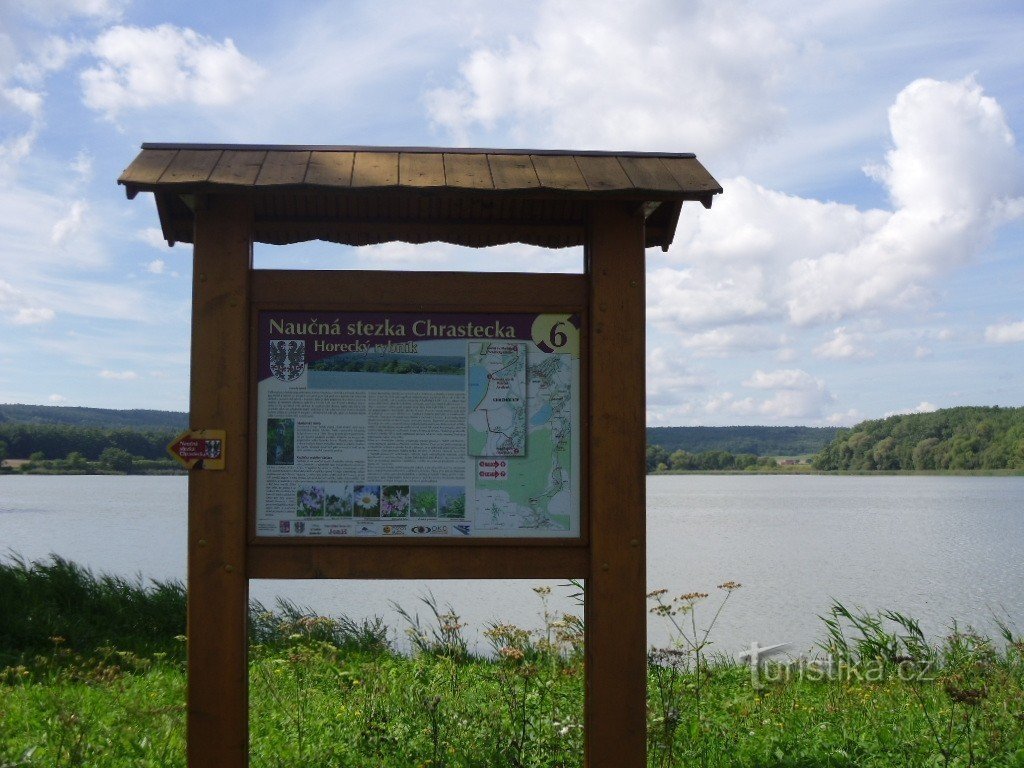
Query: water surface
[937,548]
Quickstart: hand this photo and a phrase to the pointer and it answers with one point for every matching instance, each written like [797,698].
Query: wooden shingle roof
[363,195]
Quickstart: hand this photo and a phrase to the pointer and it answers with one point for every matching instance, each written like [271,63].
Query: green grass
[327,692]
[43,600]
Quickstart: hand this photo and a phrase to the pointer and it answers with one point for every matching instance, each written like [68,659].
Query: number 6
[558,338]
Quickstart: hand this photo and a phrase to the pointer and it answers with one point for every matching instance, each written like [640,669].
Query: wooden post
[218,588]
[616,617]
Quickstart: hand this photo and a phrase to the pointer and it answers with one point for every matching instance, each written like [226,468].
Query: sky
[865,258]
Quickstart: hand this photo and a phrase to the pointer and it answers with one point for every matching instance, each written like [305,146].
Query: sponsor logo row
[311,528]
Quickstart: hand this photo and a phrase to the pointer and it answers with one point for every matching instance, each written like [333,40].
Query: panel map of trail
[533,491]
[496,424]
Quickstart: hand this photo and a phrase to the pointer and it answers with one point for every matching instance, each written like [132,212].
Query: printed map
[534,490]
[496,424]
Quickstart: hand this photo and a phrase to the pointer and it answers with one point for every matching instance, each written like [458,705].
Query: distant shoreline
[12,468]
[808,470]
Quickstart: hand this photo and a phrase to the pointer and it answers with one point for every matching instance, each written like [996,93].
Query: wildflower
[729,586]
[513,654]
[691,597]
[542,591]
[366,500]
[656,594]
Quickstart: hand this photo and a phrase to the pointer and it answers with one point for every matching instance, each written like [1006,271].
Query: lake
[937,548]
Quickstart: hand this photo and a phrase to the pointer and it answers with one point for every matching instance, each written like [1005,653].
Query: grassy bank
[92,674]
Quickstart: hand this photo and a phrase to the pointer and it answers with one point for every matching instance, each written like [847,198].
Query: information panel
[418,425]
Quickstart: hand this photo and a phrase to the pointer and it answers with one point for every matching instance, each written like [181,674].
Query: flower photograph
[451,501]
[423,501]
[394,501]
[366,500]
[310,501]
[338,500]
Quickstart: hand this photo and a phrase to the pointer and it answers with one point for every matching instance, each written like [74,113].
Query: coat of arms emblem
[287,358]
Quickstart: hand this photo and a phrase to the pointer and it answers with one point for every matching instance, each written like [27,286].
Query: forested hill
[951,438]
[760,441]
[102,418]
[57,432]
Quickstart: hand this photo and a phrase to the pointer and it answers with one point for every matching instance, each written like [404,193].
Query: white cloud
[672,387]
[845,418]
[18,146]
[30,227]
[153,236]
[33,316]
[731,265]
[57,399]
[726,341]
[119,375]
[796,395]
[9,295]
[52,12]
[667,378]
[99,298]
[784,378]
[786,355]
[923,407]
[1005,333]
[951,173]
[165,65]
[762,255]
[70,225]
[785,396]
[953,150]
[727,403]
[24,100]
[398,255]
[156,267]
[82,165]
[21,309]
[515,257]
[670,415]
[52,55]
[646,74]
[922,352]
[843,345]
[700,297]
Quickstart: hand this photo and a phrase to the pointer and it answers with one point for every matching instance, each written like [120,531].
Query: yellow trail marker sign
[199,448]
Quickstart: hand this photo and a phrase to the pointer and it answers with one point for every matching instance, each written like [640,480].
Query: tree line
[757,440]
[58,441]
[139,420]
[660,459]
[969,437]
[962,438]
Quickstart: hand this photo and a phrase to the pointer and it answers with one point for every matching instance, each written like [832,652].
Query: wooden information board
[447,425]
[332,456]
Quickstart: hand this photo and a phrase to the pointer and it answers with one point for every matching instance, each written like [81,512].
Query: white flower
[367,501]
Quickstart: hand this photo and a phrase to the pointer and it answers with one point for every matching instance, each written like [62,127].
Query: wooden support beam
[418,560]
[616,617]
[218,589]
